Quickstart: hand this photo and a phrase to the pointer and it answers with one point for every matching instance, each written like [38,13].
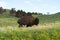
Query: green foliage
[49,34]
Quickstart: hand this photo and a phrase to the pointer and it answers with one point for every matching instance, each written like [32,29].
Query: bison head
[36,22]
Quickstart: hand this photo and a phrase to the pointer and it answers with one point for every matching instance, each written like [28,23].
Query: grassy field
[46,30]
[40,32]
[4,22]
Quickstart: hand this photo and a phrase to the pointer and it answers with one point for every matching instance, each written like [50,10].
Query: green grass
[47,34]
[8,22]
[46,30]
[40,32]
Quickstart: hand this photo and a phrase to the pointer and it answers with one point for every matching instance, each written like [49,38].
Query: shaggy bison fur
[28,21]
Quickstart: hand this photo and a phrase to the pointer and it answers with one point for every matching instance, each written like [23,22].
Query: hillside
[47,29]
[7,19]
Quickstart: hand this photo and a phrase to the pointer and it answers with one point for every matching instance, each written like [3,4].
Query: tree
[40,13]
[17,13]
[1,10]
[29,14]
[12,12]
[20,13]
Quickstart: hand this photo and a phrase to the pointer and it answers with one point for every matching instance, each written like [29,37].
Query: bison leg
[29,25]
[20,25]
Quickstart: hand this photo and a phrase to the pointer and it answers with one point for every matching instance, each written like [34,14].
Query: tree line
[17,13]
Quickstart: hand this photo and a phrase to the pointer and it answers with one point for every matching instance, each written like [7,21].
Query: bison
[28,21]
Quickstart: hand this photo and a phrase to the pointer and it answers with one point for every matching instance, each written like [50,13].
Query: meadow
[47,29]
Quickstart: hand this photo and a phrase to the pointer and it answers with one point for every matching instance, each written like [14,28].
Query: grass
[8,22]
[9,30]
[29,34]
[41,32]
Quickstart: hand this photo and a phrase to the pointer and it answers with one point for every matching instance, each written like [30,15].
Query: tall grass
[8,22]
[24,34]
[40,32]
[46,30]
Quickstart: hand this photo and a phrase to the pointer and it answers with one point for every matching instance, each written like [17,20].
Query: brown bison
[28,21]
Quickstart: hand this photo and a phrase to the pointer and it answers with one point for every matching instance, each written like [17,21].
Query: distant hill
[44,18]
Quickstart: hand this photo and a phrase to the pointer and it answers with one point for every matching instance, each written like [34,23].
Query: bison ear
[36,22]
